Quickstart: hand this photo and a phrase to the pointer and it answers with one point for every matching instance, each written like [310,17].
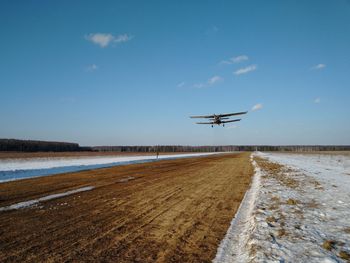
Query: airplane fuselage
[217,120]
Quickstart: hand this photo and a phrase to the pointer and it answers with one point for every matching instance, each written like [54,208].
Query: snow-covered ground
[14,169]
[300,212]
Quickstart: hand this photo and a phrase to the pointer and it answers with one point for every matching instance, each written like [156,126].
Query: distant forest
[223,148]
[46,146]
[39,146]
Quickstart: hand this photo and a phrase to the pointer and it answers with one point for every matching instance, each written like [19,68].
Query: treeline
[223,148]
[46,146]
[39,146]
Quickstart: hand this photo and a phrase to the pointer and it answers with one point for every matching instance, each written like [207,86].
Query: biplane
[218,119]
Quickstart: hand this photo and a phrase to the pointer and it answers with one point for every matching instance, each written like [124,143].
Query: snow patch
[126,179]
[233,247]
[29,203]
[300,213]
[15,169]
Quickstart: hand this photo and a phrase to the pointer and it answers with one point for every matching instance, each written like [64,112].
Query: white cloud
[256,107]
[318,66]
[317,100]
[104,40]
[214,80]
[92,67]
[210,82]
[235,60]
[181,84]
[245,70]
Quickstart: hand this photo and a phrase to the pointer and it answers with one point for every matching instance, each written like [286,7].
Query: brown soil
[6,155]
[167,211]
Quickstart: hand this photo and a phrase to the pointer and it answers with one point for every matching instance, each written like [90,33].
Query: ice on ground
[14,169]
[301,213]
[29,203]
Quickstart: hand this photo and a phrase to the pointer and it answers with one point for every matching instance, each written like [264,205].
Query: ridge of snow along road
[15,169]
[299,213]
[233,247]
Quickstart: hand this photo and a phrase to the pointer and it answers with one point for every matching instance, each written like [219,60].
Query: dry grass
[277,171]
[313,204]
[292,201]
[281,232]
[344,255]
[271,219]
[329,244]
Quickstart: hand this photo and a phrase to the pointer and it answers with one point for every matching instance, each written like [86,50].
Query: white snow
[14,169]
[241,225]
[281,231]
[44,198]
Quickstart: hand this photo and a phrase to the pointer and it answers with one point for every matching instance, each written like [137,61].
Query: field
[15,155]
[297,210]
[21,168]
[235,207]
[171,210]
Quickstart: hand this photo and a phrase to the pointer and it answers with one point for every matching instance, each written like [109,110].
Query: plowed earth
[166,211]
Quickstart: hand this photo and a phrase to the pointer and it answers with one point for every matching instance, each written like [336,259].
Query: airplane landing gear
[212,126]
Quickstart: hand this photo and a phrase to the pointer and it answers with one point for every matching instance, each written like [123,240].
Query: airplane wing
[205,123]
[231,121]
[232,114]
[205,116]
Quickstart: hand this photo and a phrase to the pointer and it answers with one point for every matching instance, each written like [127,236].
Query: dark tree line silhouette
[223,148]
[46,146]
[39,146]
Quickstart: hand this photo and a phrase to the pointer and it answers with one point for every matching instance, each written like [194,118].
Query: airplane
[217,119]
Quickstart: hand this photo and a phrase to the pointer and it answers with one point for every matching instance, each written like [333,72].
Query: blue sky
[131,72]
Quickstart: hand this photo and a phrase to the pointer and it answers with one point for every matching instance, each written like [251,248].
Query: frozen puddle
[300,212]
[45,198]
[15,169]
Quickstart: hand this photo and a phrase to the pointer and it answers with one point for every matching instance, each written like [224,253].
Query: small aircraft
[219,118]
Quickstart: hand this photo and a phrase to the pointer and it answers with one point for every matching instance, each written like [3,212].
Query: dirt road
[166,211]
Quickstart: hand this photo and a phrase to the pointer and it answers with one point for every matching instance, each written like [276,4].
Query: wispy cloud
[245,70]
[92,67]
[256,107]
[104,40]
[181,84]
[212,30]
[198,85]
[235,60]
[318,67]
[214,80]
[210,82]
[317,100]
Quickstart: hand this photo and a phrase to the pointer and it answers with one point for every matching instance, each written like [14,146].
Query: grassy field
[174,211]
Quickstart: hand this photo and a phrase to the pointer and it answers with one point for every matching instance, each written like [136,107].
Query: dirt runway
[165,211]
